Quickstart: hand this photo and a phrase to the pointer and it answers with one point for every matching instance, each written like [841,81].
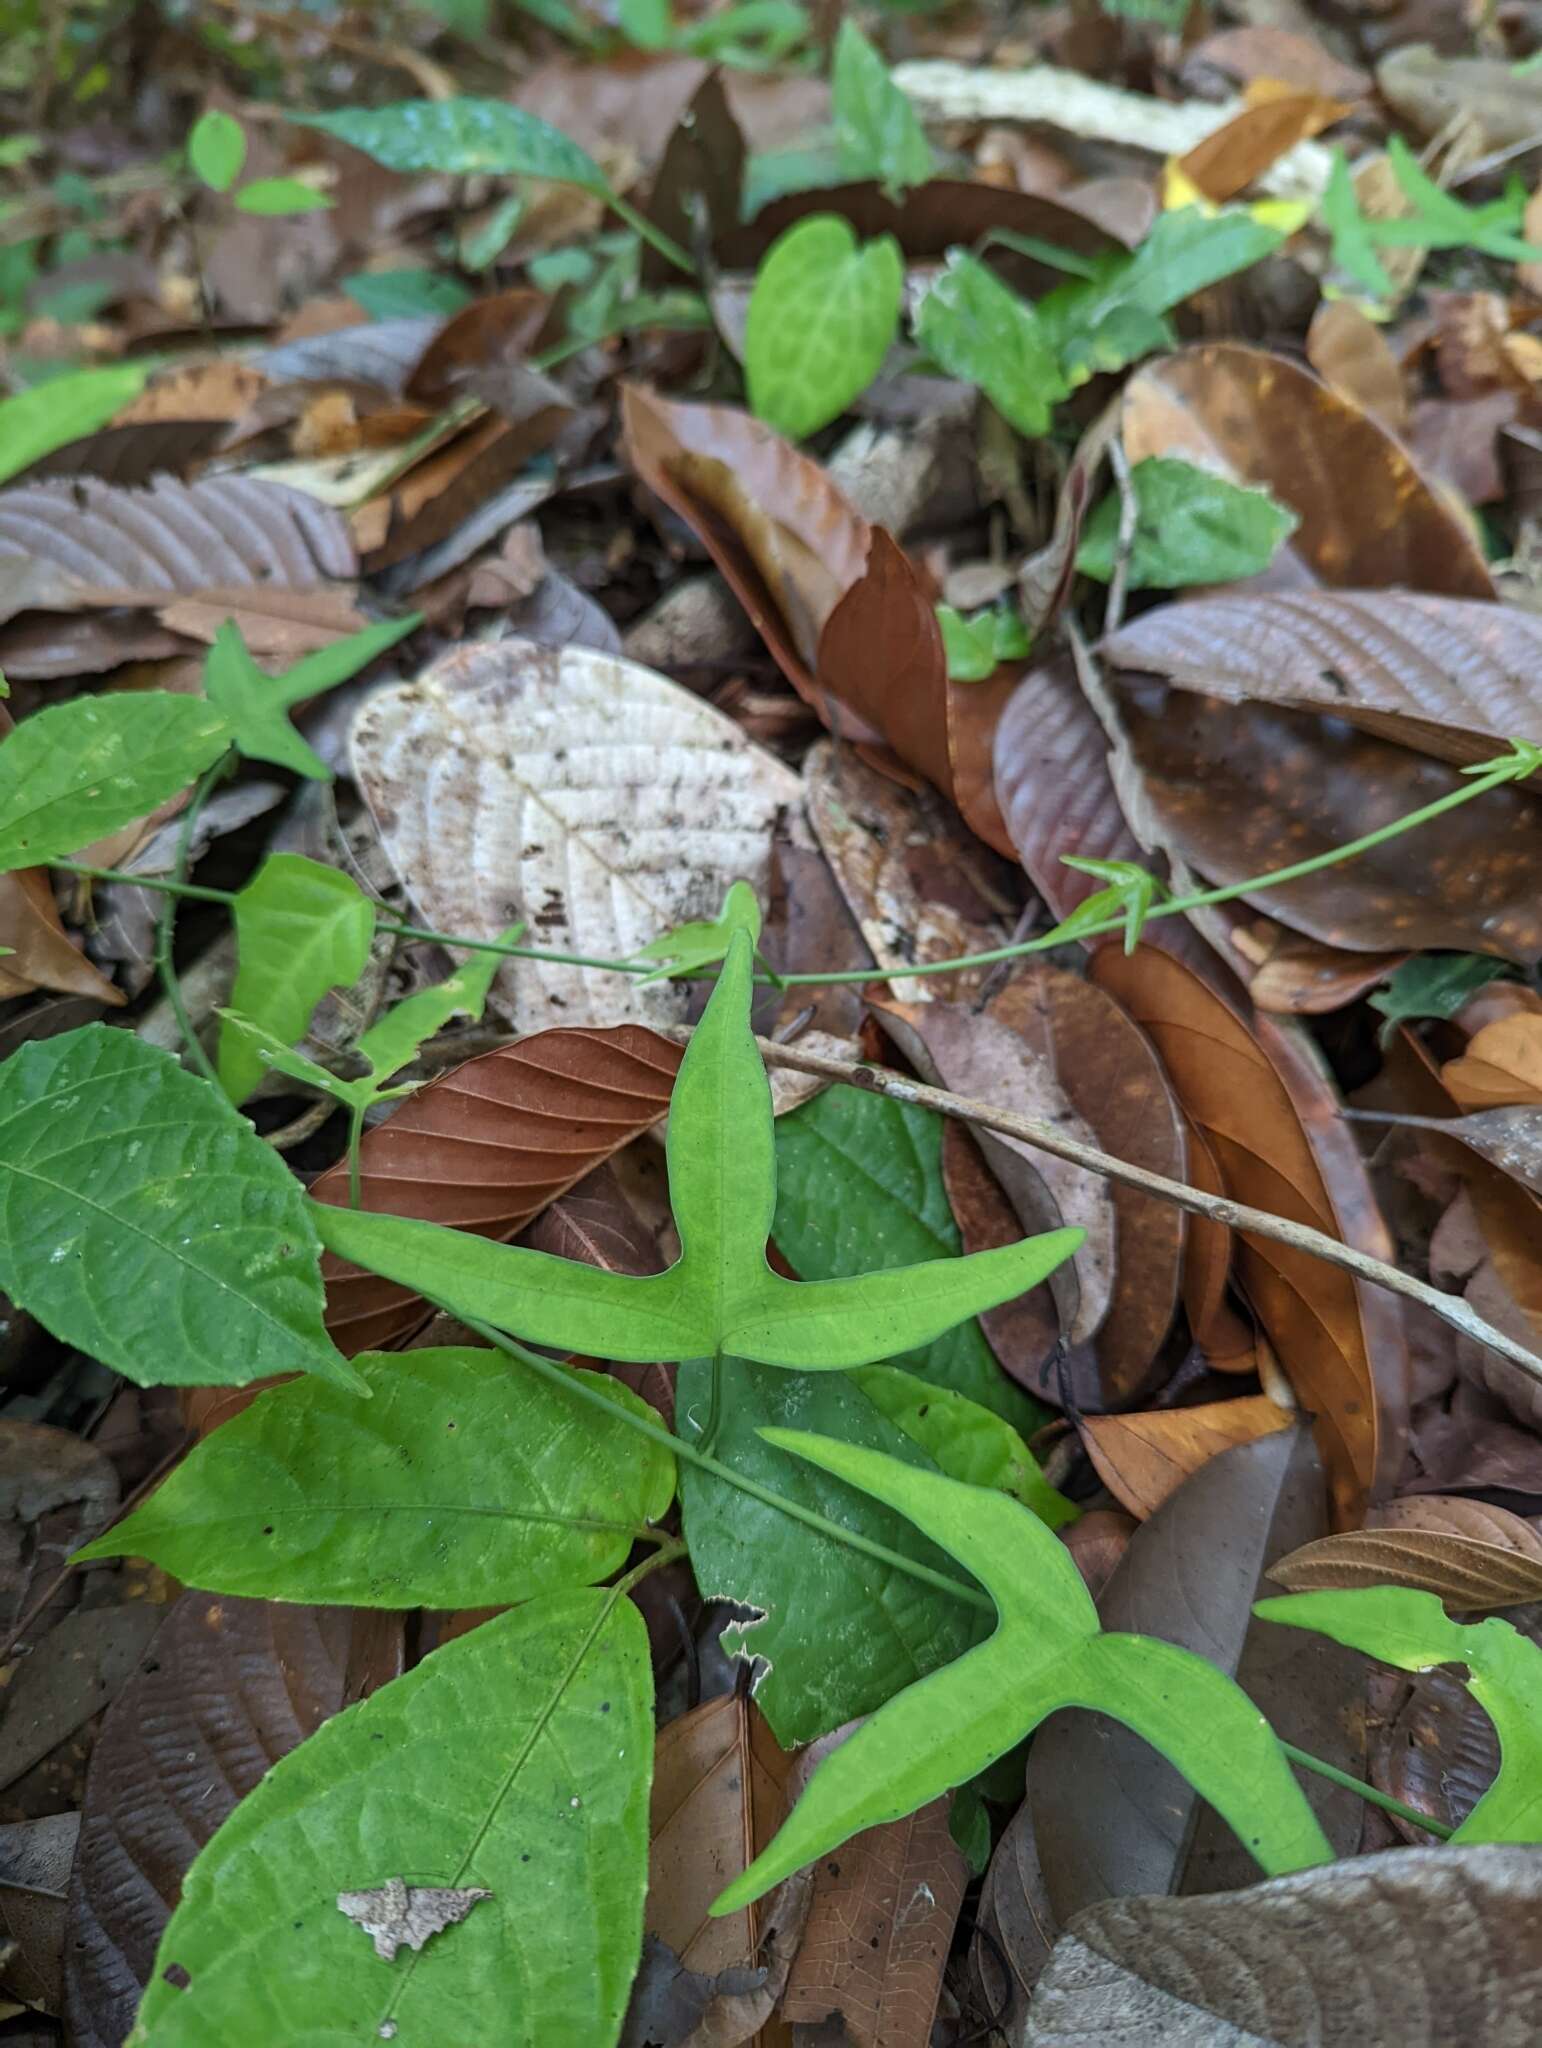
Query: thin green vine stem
[355,1144]
[956,1589]
[166,924]
[671,251]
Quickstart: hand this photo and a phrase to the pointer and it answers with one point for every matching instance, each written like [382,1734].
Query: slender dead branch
[1256,1222]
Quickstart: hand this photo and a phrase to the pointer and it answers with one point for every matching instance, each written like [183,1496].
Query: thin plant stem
[973,1596]
[654,237]
[355,1140]
[166,926]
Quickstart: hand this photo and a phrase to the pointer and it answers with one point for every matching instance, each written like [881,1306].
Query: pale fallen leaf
[400,1915]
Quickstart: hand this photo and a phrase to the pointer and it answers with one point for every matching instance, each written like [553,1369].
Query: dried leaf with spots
[1509,1138]
[580,793]
[398,1915]
[1144,1459]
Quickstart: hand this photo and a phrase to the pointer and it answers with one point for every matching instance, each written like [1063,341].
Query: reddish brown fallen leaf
[1025,1333]
[1262,420]
[1114,1081]
[1310,1311]
[41,955]
[1142,1459]
[1467,1575]
[1502,1064]
[226,1688]
[1241,149]
[1354,359]
[1214,1324]
[477,338]
[487,1145]
[438,493]
[281,624]
[703,162]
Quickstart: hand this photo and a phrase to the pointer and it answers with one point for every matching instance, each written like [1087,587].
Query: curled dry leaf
[1144,1459]
[1259,419]
[1502,1065]
[1301,977]
[1015,1926]
[583,794]
[1236,1096]
[487,1145]
[1447,1945]
[1467,1575]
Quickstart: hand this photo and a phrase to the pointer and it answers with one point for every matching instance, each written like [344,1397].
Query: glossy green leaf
[822,315]
[859,1185]
[461,1484]
[516,1760]
[1191,526]
[144,1221]
[1503,1674]
[963,1439]
[216,149]
[281,196]
[1441,221]
[463,136]
[302,928]
[721,1296]
[258,705]
[842,1631]
[1354,245]
[76,771]
[979,331]
[1047,1652]
[877,131]
[51,415]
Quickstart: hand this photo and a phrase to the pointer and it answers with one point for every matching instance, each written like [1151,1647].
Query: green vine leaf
[76,771]
[963,1439]
[979,331]
[258,706]
[722,1295]
[514,1760]
[144,1221]
[703,942]
[1504,1675]
[462,136]
[301,928]
[1047,1652]
[822,315]
[877,132]
[1131,892]
[216,149]
[458,1485]
[34,423]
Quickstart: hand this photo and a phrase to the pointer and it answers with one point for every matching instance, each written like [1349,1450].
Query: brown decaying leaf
[1353,357]
[35,1859]
[57,1491]
[582,793]
[1114,1081]
[1214,1324]
[1510,1139]
[479,337]
[1502,1065]
[973,1053]
[1260,419]
[1237,789]
[1144,1459]
[1300,977]
[1237,1098]
[1468,1576]
[1025,1333]
[228,1687]
[1241,149]
[439,493]
[720,1792]
[487,1145]
[1420,1947]
[1015,1927]
[41,955]
[57,1682]
[1441,675]
[1264,51]
[703,159]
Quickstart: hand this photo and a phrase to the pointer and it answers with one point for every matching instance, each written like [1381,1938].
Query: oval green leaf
[34,423]
[979,331]
[460,136]
[216,149]
[822,315]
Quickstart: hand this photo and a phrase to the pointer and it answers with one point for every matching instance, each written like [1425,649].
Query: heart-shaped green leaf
[822,316]
[216,149]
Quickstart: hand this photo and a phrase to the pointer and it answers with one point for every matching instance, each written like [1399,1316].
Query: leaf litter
[877,467]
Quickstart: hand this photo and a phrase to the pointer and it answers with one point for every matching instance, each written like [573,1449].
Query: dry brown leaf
[1310,1311]
[1025,1333]
[1502,1064]
[1353,357]
[41,955]
[1302,977]
[487,1145]
[577,791]
[1241,149]
[1214,1324]
[222,389]
[1430,89]
[277,624]
[1263,51]
[1467,1575]
[452,481]
[1261,420]
[1476,1521]
[1510,1139]
[1142,1459]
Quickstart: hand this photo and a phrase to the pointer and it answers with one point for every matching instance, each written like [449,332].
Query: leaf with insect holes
[302,928]
[540,1728]
[979,331]
[459,1485]
[258,706]
[721,1295]
[216,149]
[463,136]
[823,313]
[1047,1652]
[1503,1674]
[75,772]
[34,423]
[877,132]
[1190,527]
[144,1221]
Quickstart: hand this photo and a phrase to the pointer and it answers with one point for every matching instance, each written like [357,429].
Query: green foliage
[1438,221]
[1047,1652]
[977,646]
[1503,1674]
[1435,985]
[281,196]
[302,928]
[216,149]
[396,294]
[859,1185]
[462,136]
[1129,892]
[76,771]
[753,32]
[877,132]
[721,1297]
[34,423]
[143,1220]
[457,1485]
[963,1439]
[515,1760]
[978,330]
[704,942]
[822,316]
[1191,526]
[258,706]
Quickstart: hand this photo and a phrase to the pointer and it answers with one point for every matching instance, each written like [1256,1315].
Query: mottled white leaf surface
[585,794]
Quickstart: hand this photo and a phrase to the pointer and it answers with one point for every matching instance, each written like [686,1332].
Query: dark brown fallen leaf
[432,499]
[226,1689]
[1113,1817]
[57,1491]
[1025,1333]
[487,1145]
[60,1681]
[703,162]
[1015,1929]
[1261,419]
[479,338]
[41,954]
[1446,1946]
[35,1859]
[1143,1459]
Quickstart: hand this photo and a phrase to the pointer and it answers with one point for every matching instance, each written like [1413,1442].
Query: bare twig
[1258,1222]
